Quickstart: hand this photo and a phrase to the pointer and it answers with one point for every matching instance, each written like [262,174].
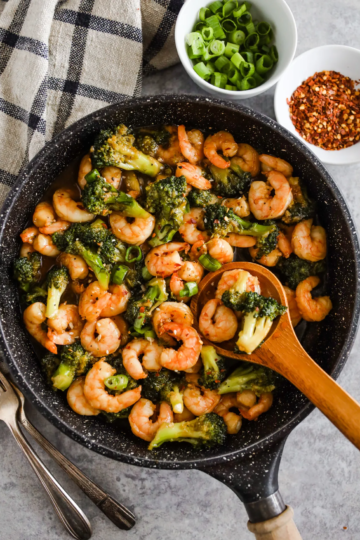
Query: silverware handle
[116,512]
[72,517]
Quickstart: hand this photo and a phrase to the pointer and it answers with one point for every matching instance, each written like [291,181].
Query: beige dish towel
[63,59]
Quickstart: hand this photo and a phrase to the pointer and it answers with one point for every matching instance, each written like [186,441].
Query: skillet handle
[281,527]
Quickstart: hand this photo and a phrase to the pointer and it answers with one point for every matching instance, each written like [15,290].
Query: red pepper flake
[142,309]
[324,110]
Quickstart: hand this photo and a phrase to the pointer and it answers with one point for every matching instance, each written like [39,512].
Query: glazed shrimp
[217,322]
[239,206]
[189,272]
[57,226]
[150,352]
[277,164]
[185,416]
[187,355]
[96,394]
[284,245]
[123,327]
[246,398]
[44,215]
[171,312]
[140,418]
[247,159]
[221,141]
[229,278]
[191,144]
[78,269]
[92,301]
[66,326]
[134,232]
[172,154]
[118,301]
[34,317]
[232,420]
[69,209]
[192,230]
[240,241]
[265,206]
[218,248]
[101,337]
[312,309]
[26,250]
[270,259]
[165,260]
[295,314]
[197,399]
[309,241]
[29,234]
[193,175]
[112,175]
[77,401]
[84,169]
[44,245]
[263,405]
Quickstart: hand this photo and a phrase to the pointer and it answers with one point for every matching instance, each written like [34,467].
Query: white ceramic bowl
[276,12]
[345,60]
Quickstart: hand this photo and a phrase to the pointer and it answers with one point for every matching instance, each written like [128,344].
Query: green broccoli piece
[214,368]
[115,147]
[75,361]
[134,277]
[249,377]
[171,392]
[27,270]
[141,306]
[166,199]
[36,293]
[302,206]
[268,242]
[113,417]
[100,238]
[294,270]
[222,221]
[153,384]
[231,182]
[57,280]
[199,198]
[49,364]
[206,430]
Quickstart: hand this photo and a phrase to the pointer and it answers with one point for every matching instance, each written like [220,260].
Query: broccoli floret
[57,280]
[171,392]
[153,383]
[148,141]
[214,368]
[101,198]
[36,293]
[166,199]
[206,430]
[268,242]
[99,237]
[294,270]
[27,270]
[141,306]
[249,377]
[113,417]
[49,364]
[134,277]
[116,148]
[75,361]
[199,198]
[302,206]
[231,182]
[222,221]
[258,314]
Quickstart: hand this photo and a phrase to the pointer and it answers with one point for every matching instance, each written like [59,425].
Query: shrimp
[218,249]
[77,287]
[44,215]
[191,144]
[92,301]
[96,394]
[189,272]
[229,278]
[112,176]
[221,141]
[76,399]
[246,398]
[309,241]
[26,249]
[185,416]
[131,183]
[43,244]
[187,355]
[312,309]
[84,169]
[171,312]
[239,206]
[69,209]
[193,175]
[165,260]
[295,314]
[284,245]
[133,231]
[57,226]
[232,420]
[34,317]
[78,269]
[217,322]
[118,301]
[263,405]
[123,327]
[149,350]
[172,154]
[197,399]
[140,418]
[192,230]
[101,337]
[265,206]
[28,235]
[277,164]
[66,326]
[269,259]
[240,241]
[247,159]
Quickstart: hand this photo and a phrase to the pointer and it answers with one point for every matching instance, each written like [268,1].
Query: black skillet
[249,462]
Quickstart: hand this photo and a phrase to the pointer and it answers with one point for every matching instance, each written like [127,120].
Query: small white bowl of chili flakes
[318,99]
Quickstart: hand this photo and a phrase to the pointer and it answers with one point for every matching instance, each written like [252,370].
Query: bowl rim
[279,106]
[181,50]
[228,454]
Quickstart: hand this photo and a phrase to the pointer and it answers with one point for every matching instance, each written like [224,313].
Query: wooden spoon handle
[281,527]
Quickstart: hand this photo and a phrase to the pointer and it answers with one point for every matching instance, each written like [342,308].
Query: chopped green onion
[233,75]
[217,47]
[207,33]
[194,53]
[264,64]
[265,49]
[248,56]
[118,383]
[222,63]
[237,37]
[190,289]
[207,54]
[238,12]
[259,80]
[252,41]
[237,59]
[263,28]
[219,79]
[246,69]
[199,26]
[209,263]
[228,8]
[231,49]
[250,28]
[204,13]
[245,18]
[211,67]
[274,54]
[137,257]
[257,55]
[228,26]
[202,70]
[146,274]
[145,331]
[265,40]
[215,6]
[118,274]
[230,87]
[214,23]
[194,37]
[246,84]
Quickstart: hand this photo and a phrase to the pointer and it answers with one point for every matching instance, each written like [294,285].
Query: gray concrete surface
[320,470]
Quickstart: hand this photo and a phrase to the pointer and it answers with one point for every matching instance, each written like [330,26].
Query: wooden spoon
[283,353]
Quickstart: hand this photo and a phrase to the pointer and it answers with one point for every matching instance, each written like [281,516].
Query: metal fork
[116,512]
[72,517]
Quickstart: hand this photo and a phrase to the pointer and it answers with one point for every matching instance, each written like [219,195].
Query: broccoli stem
[53,302]
[127,205]
[94,261]
[252,229]
[63,377]
[176,400]
[169,432]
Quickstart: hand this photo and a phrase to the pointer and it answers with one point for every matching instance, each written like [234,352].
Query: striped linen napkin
[63,59]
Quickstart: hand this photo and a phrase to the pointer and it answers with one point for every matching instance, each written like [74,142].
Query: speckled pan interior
[329,343]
